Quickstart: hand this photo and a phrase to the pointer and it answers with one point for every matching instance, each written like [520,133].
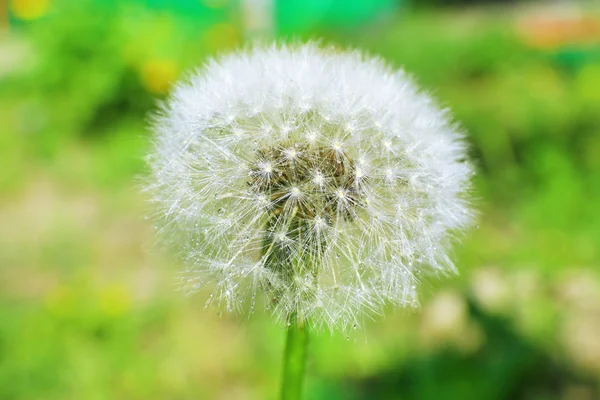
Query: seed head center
[313,181]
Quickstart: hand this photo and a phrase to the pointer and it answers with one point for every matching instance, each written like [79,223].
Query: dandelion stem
[294,359]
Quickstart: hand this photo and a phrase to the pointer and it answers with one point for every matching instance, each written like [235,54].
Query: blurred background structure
[87,309]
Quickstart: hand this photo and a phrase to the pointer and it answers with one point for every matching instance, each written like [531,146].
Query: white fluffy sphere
[323,179]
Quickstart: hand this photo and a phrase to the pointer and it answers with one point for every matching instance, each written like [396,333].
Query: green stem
[294,360]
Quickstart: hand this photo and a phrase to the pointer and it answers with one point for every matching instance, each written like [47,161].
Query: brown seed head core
[319,182]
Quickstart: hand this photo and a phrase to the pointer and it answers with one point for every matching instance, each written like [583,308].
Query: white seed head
[324,180]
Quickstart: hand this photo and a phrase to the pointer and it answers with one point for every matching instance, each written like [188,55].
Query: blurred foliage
[93,64]
[86,311]
[509,366]
[294,17]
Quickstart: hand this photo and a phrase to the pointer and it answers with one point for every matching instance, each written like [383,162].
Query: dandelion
[323,182]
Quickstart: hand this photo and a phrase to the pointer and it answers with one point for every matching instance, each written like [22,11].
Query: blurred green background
[87,305]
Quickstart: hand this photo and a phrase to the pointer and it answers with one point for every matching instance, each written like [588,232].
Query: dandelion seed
[311,136]
[332,187]
[267,168]
[319,179]
[291,154]
[238,132]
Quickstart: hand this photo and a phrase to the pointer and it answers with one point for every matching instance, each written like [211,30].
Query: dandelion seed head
[324,181]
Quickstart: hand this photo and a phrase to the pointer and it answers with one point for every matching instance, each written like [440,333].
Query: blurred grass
[88,310]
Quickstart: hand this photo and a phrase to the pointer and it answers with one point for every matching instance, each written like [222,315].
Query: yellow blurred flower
[114,300]
[157,75]
[29,9]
